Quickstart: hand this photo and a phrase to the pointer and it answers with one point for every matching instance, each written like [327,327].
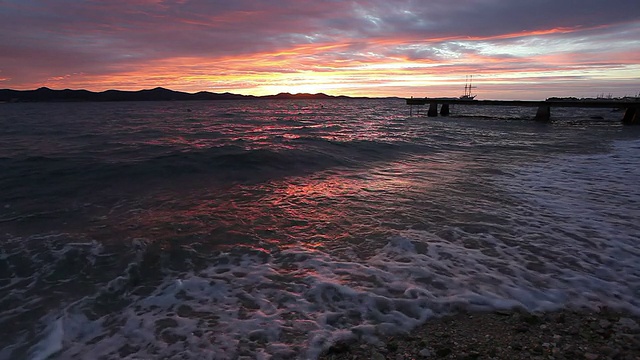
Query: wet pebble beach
[567,334]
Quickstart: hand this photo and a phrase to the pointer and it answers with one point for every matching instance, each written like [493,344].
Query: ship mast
[466,85]
[468,88]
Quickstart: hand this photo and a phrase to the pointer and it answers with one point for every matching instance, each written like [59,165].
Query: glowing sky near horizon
[516,49]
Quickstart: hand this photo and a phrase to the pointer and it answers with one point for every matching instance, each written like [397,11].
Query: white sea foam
[300,301]
[52,341]
[571,241]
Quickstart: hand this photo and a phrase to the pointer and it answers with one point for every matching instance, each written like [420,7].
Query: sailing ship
[467,89]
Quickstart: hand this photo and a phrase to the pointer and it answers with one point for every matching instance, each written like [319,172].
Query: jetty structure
[630,105]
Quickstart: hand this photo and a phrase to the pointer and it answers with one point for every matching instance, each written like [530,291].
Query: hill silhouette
[45,94]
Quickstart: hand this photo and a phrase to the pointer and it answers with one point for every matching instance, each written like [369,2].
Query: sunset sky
[516,49]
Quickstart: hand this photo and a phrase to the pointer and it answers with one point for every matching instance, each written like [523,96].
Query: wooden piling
[433,109]
[444,110]
[543,114]
[631,116]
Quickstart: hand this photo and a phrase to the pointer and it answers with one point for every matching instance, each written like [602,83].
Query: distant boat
[467,89]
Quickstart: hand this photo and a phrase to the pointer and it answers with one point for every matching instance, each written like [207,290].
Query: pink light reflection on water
[322,209]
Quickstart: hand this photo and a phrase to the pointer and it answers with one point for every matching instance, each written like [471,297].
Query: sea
[272,229]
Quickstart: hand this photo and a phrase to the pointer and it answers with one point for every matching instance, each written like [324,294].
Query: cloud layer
[374,47]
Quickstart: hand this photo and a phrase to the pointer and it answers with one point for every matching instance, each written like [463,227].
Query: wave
[299,301]
[42,174]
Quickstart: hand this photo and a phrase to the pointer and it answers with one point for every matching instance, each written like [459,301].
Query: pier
[543,114]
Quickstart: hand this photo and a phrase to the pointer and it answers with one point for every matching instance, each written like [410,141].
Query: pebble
[377,356]
[522,329]
[537,350]
[605,350]
[442,352]
[468,356]
[590,356]
[425,353]
[628,324]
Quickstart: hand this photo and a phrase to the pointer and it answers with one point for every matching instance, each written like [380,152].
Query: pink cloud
[359,47]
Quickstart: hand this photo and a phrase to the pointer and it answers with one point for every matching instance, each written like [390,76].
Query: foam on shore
[568,241]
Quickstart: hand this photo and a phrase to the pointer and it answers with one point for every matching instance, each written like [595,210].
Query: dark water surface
[270,229]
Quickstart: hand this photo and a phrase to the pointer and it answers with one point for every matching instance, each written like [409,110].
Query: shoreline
[562,334]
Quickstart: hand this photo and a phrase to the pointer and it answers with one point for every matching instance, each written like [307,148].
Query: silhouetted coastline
[45,94]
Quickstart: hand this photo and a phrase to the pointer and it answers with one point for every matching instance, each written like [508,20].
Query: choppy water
[270,229]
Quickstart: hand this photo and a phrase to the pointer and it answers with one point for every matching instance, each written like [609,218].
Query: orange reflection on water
[312,211]
[318,209]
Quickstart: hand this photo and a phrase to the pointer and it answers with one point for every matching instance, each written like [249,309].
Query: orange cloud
[363,48]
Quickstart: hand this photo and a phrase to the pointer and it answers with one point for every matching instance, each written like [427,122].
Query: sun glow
[334,47]
[386,68]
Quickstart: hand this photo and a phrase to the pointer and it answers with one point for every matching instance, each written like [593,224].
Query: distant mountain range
[44,94]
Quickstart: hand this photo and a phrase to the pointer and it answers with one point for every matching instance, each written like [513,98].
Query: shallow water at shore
[276,228]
